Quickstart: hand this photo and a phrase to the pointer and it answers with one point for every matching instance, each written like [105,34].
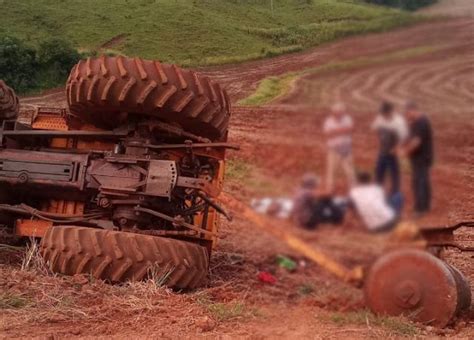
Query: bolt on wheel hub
[408,294]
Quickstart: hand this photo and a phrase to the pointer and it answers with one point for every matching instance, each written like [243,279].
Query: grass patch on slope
[190,32]
[271,88]
[398,326]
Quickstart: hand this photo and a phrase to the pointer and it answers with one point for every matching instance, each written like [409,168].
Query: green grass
[398,326]
[238,170]
[192,32]
[227,311]
[250,176]
[271,88]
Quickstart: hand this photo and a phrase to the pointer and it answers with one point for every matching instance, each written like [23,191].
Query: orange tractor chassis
[126,182]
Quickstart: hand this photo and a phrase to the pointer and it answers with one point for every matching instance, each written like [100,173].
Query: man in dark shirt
[392,130]
[419,148]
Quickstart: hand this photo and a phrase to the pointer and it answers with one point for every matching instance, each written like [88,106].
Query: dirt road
[280,143]
[453,8]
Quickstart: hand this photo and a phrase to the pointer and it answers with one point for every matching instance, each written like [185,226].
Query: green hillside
[198,32]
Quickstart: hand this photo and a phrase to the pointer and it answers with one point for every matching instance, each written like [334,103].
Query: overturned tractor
[125,180]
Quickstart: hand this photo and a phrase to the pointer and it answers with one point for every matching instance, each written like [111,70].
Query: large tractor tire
[9,103]
[117,256]
[105,91]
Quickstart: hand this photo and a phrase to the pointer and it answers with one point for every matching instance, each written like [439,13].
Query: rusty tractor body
[118,199]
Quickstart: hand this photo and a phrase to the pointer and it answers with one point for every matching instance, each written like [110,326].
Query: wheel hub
[408,294]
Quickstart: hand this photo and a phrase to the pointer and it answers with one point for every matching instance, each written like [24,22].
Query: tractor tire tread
[124,256]
[100,90]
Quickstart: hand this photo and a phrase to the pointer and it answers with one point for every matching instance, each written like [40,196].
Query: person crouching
[311,206]
[370,204]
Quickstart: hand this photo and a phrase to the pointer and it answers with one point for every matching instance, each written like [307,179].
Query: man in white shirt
[392,131]
[369,201]
[338,128]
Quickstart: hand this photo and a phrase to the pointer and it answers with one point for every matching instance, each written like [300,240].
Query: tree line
[410,5]
[26,68]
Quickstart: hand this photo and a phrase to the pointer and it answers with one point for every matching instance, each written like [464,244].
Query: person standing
[419,149]
[337,128]
[392,131]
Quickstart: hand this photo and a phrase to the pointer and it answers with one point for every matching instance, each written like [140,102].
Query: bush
[410,5]
[18,64]
[57,55]
[27,69]
[55,58]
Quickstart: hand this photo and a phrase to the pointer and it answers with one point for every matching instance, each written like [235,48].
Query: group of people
[376,199]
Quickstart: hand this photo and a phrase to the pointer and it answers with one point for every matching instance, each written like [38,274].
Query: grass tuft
[397,325]
[237,169]
[226,311]
[12,301]
[158,277]
[269,89]
[32,259]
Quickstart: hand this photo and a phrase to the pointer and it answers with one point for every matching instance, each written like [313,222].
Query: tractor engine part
[418,285]
[108,91]
[9,104]
[131,188]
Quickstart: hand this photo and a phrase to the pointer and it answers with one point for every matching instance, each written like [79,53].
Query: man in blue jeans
[419,148]
[392,131]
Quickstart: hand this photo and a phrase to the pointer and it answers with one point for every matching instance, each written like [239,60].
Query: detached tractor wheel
[417,285]
[105,91]
[117,256]
[9,103]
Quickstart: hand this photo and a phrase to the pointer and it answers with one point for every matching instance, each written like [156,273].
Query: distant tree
[17,63]
[24,68]
[403,4]
[57,55]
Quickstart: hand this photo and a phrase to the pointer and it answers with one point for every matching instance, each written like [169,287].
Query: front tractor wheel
[117,256]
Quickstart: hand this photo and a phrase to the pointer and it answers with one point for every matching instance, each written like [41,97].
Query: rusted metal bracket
[176,130]
[444,236]
[175,220]
[71,133]
[216,206]
[186,146]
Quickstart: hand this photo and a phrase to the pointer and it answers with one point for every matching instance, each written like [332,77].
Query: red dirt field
[280,142]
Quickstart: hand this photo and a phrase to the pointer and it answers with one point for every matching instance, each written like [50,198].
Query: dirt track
[280,143]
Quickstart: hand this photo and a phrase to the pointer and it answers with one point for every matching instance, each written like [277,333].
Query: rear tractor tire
[9,103]
[117,256]
[105,91]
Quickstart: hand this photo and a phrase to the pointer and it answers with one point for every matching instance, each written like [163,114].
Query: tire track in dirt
[441,83]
